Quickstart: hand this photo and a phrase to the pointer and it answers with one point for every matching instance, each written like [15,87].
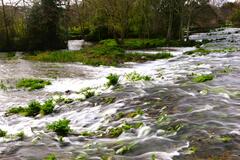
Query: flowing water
[180,119]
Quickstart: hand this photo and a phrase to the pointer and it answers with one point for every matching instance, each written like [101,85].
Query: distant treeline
[48,24]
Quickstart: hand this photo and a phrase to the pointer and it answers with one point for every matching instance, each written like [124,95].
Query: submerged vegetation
[32,84]
[203,51]
[134,76]
[203,78]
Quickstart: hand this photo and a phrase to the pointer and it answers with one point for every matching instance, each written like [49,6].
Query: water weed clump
[61,127]
[33,109]
[3,86]
[134,76]
[203,78]
[50,157]
[164,55]
[20,135]
[32,84]
[117,131]
[88,92]
[133,114]
[3,133]
[125,149]
[47,107]
[200,51]
[113,80]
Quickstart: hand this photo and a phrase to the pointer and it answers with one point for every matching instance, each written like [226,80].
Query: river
[181,119]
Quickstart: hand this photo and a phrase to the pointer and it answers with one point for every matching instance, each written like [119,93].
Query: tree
[43,26]
[118,14]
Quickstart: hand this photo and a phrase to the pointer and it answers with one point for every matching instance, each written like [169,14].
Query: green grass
[134,76]
[32,84]
[96,56]
[61,127]
[149,43]
[33,109]
[112,80]
[203,78]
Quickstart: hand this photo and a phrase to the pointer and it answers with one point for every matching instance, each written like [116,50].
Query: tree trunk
[170,22]
[181,35]
[5,23]
[188,25]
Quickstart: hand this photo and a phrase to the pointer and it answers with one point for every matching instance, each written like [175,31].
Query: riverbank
[109,53]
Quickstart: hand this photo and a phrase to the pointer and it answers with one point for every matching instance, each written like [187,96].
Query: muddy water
[202,119]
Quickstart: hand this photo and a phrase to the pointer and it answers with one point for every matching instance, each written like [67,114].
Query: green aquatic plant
[109,100]
[225,138]
[200,51]
[47,107]
[117,131]
[88,134]
[88,92]
[133,114]
[162,118]
[51,157]
[3,86]
[113,80]
[174,128]
[153,157]
[134,76]
[203,78]
[33,109]
[61,127]
[164,55]
[3,133]
[227,69]
[203,51]
[20,135]
[192,150]
[32,84]
[125,149]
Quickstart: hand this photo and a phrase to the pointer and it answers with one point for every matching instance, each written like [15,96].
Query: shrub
[112,80]
[61,127]
[203,78]
[3,133]
[32,84]
[134,76]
